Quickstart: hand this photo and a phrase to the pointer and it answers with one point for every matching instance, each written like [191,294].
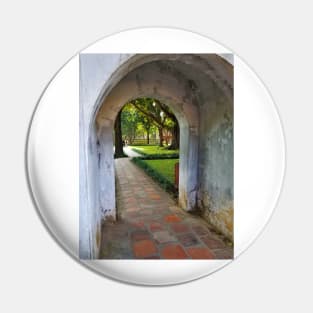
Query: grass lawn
[165,167]
[151,150]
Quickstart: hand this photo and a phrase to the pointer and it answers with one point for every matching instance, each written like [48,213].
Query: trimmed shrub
[157,155]
[163,181]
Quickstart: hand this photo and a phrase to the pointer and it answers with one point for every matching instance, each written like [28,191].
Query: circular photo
[155,156]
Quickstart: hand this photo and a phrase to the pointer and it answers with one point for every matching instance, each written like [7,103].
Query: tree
[119,153]
[148,115]
[175,136]
[130,119]
[160,129]
[172,124]
[147,124]
[162,116]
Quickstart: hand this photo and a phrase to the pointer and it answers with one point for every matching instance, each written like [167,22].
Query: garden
[158,163]
[150,129]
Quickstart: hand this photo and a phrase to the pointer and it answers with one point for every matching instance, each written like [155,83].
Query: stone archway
[199,89]
[149,81]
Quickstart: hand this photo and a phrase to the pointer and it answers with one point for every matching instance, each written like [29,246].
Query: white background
[274,38]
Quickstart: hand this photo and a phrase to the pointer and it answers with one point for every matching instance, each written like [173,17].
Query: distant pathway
[151,226]
[130,152]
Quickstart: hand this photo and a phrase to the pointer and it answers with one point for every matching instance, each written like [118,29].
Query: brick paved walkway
[151,226]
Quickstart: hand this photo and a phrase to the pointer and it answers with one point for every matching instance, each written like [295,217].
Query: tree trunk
[175,137]
[148,136]
[119,153]
[166,137]
[161,136]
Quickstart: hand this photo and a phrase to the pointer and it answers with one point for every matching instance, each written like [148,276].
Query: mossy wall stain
[222,220]
[221,217]
[216,192]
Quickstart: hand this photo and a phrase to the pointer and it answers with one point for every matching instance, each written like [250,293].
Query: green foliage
[144,117]
[160,172]
[158,113]
[130,119]
[155,151]
[166,167]
[135,123]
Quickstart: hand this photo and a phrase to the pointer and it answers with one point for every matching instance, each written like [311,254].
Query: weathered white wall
[216,192]
[199,89]
[95,70]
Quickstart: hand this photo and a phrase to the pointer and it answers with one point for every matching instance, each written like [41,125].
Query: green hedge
[157,155]
[163,181]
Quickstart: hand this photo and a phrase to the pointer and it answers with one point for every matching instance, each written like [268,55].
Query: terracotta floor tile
[144,248]
[172,218]
[173,251]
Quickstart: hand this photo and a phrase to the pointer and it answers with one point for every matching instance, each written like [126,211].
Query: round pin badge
[155,156]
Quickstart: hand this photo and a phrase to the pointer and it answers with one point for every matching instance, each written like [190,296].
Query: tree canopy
[149,116]
[144,118]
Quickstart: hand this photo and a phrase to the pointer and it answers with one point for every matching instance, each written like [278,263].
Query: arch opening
[156,127]
[198,89]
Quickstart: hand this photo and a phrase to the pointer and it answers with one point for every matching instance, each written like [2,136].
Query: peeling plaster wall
[95,70]
[199,89]
[216,192]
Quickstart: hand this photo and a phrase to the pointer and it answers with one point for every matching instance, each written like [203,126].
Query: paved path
[151,226]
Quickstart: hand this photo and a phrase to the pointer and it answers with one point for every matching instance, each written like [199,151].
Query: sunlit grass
[165,167]
[150,150]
